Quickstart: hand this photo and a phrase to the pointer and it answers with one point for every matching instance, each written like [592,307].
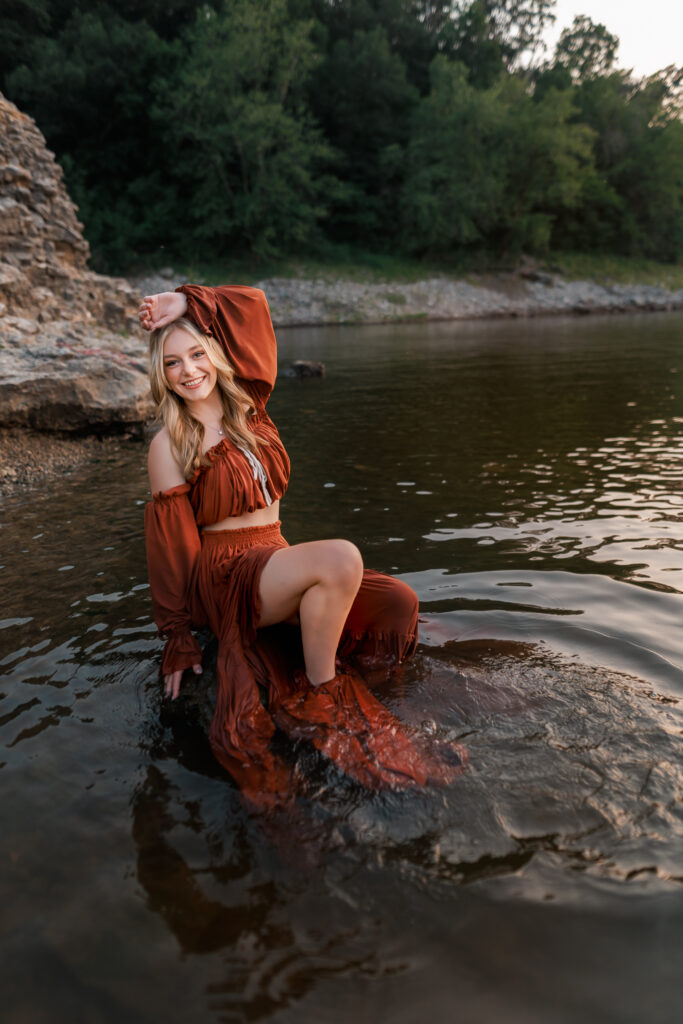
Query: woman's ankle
[316,683]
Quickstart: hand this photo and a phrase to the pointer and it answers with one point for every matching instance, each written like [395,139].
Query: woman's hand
[172,681]
[158,310]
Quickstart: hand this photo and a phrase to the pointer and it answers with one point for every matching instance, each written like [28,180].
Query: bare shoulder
[164,470]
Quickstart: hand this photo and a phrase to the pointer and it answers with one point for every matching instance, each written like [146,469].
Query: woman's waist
[236,538]
[247,521]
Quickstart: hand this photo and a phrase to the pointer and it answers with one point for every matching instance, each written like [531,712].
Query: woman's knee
[406,600]
[342,565]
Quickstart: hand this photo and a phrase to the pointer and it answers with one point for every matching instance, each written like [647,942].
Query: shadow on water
[532,497]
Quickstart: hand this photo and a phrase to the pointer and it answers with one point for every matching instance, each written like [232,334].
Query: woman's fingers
[145,314]
[177,676]
[172,681]
[172,684]
[149,313]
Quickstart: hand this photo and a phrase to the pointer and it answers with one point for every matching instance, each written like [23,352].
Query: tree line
[278,127]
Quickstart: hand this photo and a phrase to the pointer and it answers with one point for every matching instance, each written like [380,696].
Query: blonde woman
[216,557]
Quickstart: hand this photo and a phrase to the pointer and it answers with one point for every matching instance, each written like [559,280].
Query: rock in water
[303,368]
[72,355]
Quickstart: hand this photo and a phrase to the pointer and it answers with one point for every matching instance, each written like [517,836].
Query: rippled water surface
[525,478]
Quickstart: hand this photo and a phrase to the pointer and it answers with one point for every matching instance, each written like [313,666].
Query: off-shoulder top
[230,483]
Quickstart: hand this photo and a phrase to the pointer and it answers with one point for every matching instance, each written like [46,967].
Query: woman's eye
[198,355]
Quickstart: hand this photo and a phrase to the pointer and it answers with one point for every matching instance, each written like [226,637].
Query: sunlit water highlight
[525,479]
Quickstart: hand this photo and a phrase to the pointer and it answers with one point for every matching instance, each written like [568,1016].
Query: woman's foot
[343,720]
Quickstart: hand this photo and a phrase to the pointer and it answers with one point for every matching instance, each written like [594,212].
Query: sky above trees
[650,31]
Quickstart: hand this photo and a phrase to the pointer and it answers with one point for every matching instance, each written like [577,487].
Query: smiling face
[188,369]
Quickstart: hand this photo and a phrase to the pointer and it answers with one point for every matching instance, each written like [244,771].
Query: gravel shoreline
[304,302]
[29,459]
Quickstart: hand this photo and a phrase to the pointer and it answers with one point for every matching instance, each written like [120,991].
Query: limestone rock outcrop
[71,350]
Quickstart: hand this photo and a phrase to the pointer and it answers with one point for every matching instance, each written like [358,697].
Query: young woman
[216,557]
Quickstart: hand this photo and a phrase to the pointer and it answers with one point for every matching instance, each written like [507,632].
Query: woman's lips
[196,382]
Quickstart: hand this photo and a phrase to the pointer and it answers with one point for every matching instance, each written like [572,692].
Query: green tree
[20,22]
[516,26]
[89,88]
[638,149]
[586,49]
[490,168]
[241,144]
[363,101]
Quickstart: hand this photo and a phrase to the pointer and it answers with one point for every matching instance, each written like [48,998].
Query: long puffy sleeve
[173,546]
[239,319]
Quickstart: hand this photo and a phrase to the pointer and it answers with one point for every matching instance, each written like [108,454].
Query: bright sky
[650,31]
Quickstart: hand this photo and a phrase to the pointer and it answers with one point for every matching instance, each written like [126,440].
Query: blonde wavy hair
[187,433]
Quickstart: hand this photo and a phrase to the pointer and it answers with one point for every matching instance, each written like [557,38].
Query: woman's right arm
[173,546]
[239,319]
[237,316]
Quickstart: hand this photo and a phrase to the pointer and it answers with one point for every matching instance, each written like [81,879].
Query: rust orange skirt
[261,685]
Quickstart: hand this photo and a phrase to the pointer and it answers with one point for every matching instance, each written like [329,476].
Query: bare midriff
[260,517]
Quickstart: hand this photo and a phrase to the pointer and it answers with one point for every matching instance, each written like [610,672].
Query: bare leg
[319,580]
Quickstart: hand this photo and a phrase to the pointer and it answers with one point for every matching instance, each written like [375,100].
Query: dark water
[525,478]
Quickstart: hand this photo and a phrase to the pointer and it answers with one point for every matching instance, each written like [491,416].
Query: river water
[525,478]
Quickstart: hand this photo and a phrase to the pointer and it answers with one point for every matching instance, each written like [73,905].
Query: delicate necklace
[218,431]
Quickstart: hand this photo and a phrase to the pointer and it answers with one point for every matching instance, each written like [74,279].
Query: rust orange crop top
[239,319]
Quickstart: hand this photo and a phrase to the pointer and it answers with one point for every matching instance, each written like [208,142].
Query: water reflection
[525,479]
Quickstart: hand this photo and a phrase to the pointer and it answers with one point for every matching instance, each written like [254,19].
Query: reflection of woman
[216,556]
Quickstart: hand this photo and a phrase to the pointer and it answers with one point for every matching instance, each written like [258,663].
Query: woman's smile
[189,371]
[195,382]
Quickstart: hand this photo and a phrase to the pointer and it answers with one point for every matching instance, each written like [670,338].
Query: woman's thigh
[290,572]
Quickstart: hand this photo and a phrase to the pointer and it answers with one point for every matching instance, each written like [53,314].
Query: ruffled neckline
[216,452]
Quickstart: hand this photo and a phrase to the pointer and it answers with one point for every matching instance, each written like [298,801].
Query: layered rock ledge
[70,360]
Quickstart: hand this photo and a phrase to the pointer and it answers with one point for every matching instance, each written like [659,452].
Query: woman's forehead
[178,342]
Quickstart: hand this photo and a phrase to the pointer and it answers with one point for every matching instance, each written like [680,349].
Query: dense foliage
[286,126]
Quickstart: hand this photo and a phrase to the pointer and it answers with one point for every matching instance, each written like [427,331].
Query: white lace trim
[258,471]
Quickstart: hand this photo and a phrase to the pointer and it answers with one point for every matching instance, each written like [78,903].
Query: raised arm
[239,319]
